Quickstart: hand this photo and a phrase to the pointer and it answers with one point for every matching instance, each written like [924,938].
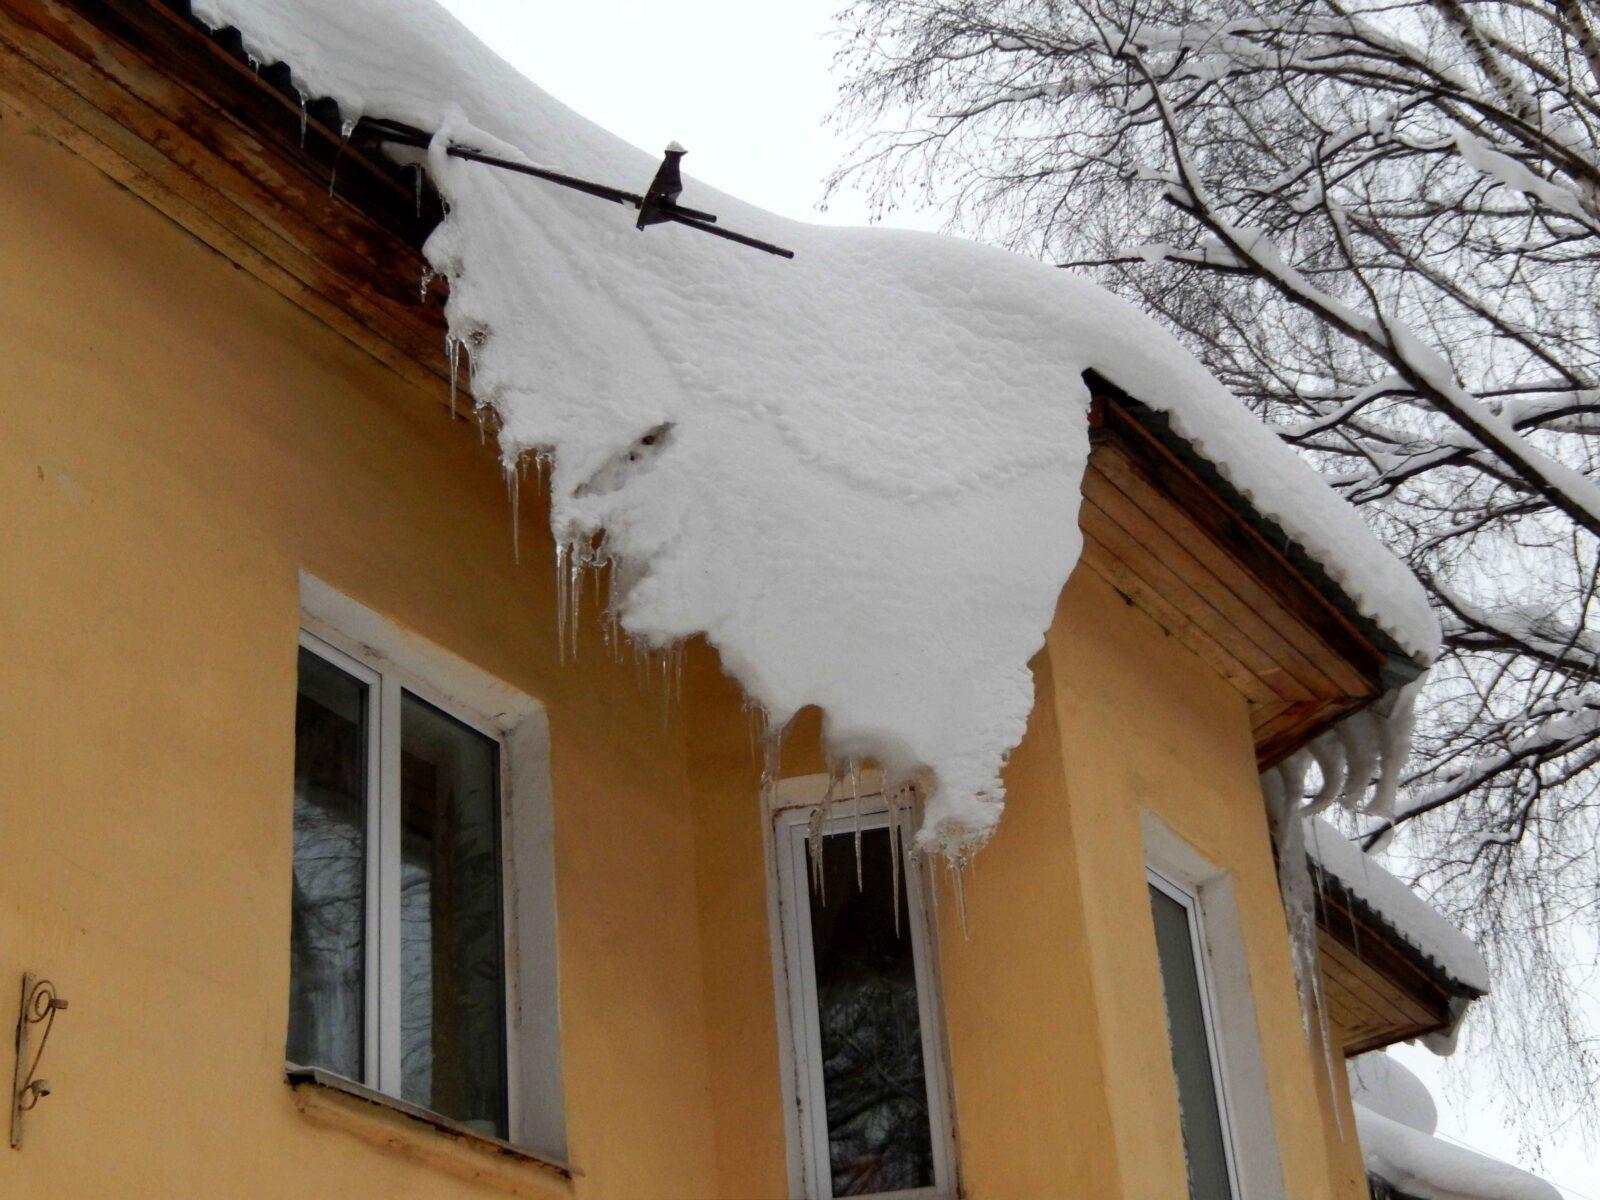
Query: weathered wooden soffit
[1168,533]
[181,118]
[1376,988]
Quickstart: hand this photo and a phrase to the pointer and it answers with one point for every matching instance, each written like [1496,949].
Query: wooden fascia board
[173,114]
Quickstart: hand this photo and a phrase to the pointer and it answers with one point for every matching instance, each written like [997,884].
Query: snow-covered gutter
[857,473]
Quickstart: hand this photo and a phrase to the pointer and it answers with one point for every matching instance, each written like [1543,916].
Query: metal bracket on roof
[658,205]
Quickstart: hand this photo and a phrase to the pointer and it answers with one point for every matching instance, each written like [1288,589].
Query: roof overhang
[182,119]
[1165,529]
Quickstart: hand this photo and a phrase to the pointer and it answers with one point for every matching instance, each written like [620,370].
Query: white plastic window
[872,1109]
[1202,1094]
[423,937]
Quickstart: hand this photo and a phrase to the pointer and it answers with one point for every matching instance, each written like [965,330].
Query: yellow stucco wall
[176,444]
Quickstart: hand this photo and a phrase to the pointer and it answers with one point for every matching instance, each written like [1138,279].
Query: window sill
[317,1081]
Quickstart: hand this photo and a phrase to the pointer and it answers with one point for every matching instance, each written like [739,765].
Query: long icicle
[855,796]
[891,797]
[513,493]
[563,552]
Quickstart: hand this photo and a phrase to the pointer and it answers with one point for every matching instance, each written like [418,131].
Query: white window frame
[1190,903]
[1238,1069]
[786,827]
[390,660]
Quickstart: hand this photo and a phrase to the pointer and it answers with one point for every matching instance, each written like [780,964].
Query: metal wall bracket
[40,1004]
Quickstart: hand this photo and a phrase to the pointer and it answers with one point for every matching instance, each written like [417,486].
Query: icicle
[575,599]
[427,282]
[563,552]
[1394,748]
[855,796]
[473,342]
[814,837]
[666,687]
[816,834]
[1331,1060]
[1359,738]
[305,118]
[512,493]
[451,348]
[891,797]
[958,887]
[346,128]
[1331,763]
[1288,815]
[771,758]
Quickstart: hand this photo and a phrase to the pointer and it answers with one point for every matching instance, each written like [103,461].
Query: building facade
[356,884]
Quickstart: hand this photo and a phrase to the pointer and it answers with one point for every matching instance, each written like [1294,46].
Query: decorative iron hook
[40,1004]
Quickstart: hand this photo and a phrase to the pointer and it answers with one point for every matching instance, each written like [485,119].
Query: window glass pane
[452,969]
[877,1096]
[327,956]
[1203,1138]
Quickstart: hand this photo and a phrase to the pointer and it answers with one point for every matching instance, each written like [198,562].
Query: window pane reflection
[452,973]
[879,1138]
[1203,1141]
[328,919]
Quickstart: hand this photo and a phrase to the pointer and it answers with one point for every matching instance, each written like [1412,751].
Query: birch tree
[1379,223]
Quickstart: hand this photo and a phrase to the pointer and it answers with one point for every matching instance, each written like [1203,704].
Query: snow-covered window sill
[395,1124]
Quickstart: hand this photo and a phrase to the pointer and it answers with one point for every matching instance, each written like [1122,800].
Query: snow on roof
[1412,918]
[1395,1122]
[856,473]
[1430,1168]
[1381,1083]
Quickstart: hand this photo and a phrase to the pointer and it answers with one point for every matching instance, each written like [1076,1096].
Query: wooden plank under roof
[180,118]
[1190,555]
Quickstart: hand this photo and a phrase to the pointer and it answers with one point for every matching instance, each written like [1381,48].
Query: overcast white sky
[745,86]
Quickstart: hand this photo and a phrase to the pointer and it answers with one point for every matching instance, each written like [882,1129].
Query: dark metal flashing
[309,129]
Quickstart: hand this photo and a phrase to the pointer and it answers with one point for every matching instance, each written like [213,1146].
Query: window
[862,1007]
[422,966]
[1202,1099]
[397,848]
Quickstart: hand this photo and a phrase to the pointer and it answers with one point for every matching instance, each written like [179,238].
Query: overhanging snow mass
[855,473]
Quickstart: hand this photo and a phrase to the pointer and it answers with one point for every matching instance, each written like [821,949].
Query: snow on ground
[856,473]
[1395,1122]
[1412,917]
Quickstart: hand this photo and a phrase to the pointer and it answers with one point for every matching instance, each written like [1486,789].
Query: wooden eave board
[137,89]
[1174,548]
[1374,992]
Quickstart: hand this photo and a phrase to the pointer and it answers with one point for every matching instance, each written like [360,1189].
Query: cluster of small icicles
[845,792]
[467,344]
[578,558]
